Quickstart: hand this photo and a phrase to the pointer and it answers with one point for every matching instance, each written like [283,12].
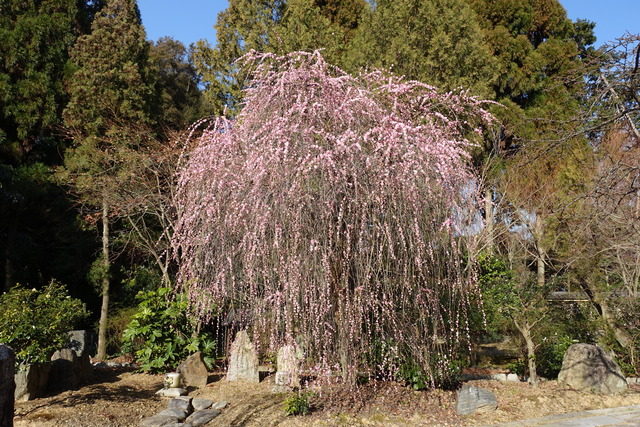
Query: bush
[299,403]
[160,335]
[35,323]
[117,323]
[550,355]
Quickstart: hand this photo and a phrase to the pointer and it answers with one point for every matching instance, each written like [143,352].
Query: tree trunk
[489,220]
[104,310]
[539,250]
[525,330]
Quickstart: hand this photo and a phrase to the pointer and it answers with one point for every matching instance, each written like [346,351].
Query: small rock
[114,365]
[200,418]
[180,414]
[159,421]
[200,404]
[499,377]
[473,399]
[512,377]
[181,402]
[100,365]
[194,371]
[219,405]
[171,392]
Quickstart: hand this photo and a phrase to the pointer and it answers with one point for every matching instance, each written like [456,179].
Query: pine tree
[438,42]
[35,37]
[180,99]
[34,40]
[111,96]
[243,26]
[308,25]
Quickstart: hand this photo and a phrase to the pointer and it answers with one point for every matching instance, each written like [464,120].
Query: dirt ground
[117,398]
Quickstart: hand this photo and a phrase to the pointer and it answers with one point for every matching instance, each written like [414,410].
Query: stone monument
[243,360]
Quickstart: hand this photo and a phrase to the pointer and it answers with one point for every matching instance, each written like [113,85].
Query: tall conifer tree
[110,98]
[243,26]
[438,42]
[35,37]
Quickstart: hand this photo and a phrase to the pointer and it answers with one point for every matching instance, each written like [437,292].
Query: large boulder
[7,385]
[473,399]
[587,367]
[194,371]
[68,370]
[64,374]
[243,360]
[31,381]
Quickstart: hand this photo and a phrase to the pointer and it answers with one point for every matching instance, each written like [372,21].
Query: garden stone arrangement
[185,411]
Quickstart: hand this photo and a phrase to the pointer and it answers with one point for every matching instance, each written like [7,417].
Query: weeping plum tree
[332,213]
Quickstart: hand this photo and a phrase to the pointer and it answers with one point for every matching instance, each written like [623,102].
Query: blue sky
[191,20]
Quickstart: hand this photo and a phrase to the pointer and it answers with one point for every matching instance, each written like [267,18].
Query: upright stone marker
[288,373]
[7,385]
[243,360]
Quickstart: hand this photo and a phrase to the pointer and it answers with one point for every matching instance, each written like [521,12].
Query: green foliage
[414,376]
[111,81]
[117,323]
[98,273]
[161,336]
[550,354]
[35,322]
[34,41]
[243,26]
[308,25]
[136,279]
[180,100]
[298,403]
[506,297]
[447,377]
[497,283]
[519,367]
[438,42]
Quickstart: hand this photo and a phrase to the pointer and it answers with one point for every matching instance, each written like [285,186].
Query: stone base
[31,381]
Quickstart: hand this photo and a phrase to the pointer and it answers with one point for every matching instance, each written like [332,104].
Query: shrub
[298,403]
[160,335]
[117,323]
[550,355]
[35,323]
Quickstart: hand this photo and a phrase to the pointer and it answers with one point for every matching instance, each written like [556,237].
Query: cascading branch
[334,212]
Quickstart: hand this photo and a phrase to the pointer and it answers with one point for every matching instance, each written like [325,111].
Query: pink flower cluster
[332,212]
